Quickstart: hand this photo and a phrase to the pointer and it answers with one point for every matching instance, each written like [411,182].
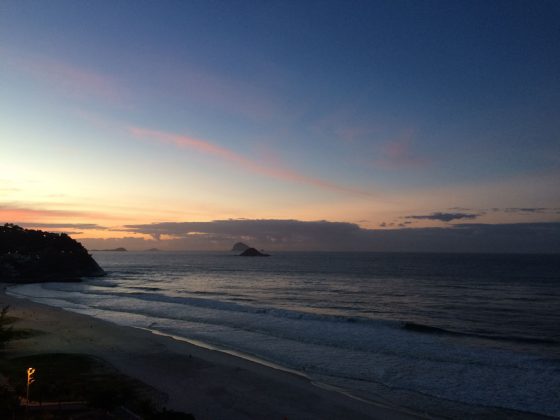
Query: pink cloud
[257,94]
[399,153]
[8,213]
[234,97]
[352,134]
[272,170]
[73,80]
[347,123]
[191,81]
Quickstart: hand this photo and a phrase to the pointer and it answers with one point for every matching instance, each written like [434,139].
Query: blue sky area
[355,111]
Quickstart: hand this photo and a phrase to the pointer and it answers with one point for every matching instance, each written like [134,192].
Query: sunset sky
[140,120]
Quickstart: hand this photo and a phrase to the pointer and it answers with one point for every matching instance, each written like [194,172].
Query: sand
[207,383]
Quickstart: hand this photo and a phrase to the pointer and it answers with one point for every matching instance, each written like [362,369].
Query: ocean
[464,328]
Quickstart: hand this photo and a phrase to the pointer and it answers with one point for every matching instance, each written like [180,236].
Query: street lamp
[30,380]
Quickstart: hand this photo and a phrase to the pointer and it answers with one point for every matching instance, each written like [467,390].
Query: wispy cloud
[72,79]
[444,217]
[82,226]
[520,210]
[351,134]
[9,213]
[263,97]
[400,153]
[232,97]
[275,171]
[526,210]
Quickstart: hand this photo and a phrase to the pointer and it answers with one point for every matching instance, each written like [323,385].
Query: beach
[207,383]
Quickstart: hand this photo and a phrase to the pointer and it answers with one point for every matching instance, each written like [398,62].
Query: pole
[30,380]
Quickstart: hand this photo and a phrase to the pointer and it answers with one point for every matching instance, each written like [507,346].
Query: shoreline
[233,353]
[275,366]
[209,382]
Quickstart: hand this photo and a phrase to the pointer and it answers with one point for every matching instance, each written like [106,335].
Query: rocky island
[252,252]
[28,256]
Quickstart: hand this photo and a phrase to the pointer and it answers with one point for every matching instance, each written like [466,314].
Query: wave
[428,329]
[235,305]
[295,315]
[148,289]
[253,309]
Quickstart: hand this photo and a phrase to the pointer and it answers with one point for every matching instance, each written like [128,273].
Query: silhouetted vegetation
[79,378]
[6,332]
[28,255]
[9,403]
[95,388]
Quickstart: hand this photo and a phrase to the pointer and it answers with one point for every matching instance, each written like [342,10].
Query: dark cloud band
[444,217]
[336,236]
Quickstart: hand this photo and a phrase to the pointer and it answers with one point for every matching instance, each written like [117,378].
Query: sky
[334,125]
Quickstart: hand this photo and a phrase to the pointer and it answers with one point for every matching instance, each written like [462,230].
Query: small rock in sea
[252,252]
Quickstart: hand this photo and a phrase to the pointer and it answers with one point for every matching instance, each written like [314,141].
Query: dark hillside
[33,255]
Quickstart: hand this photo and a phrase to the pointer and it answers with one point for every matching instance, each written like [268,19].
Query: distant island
[247,251]
[252,252]
[240,247]
[28,255]
[110,250]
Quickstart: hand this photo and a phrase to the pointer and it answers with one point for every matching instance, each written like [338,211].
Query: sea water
[475,329]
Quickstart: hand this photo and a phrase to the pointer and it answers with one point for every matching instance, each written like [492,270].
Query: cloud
[72,79]
[26,215]
[267,230]
[255,100]
[83,226]
[130,243]
[444,217]
[351,134]
[298,235]
[399,153]
[275,171]
[526,210]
